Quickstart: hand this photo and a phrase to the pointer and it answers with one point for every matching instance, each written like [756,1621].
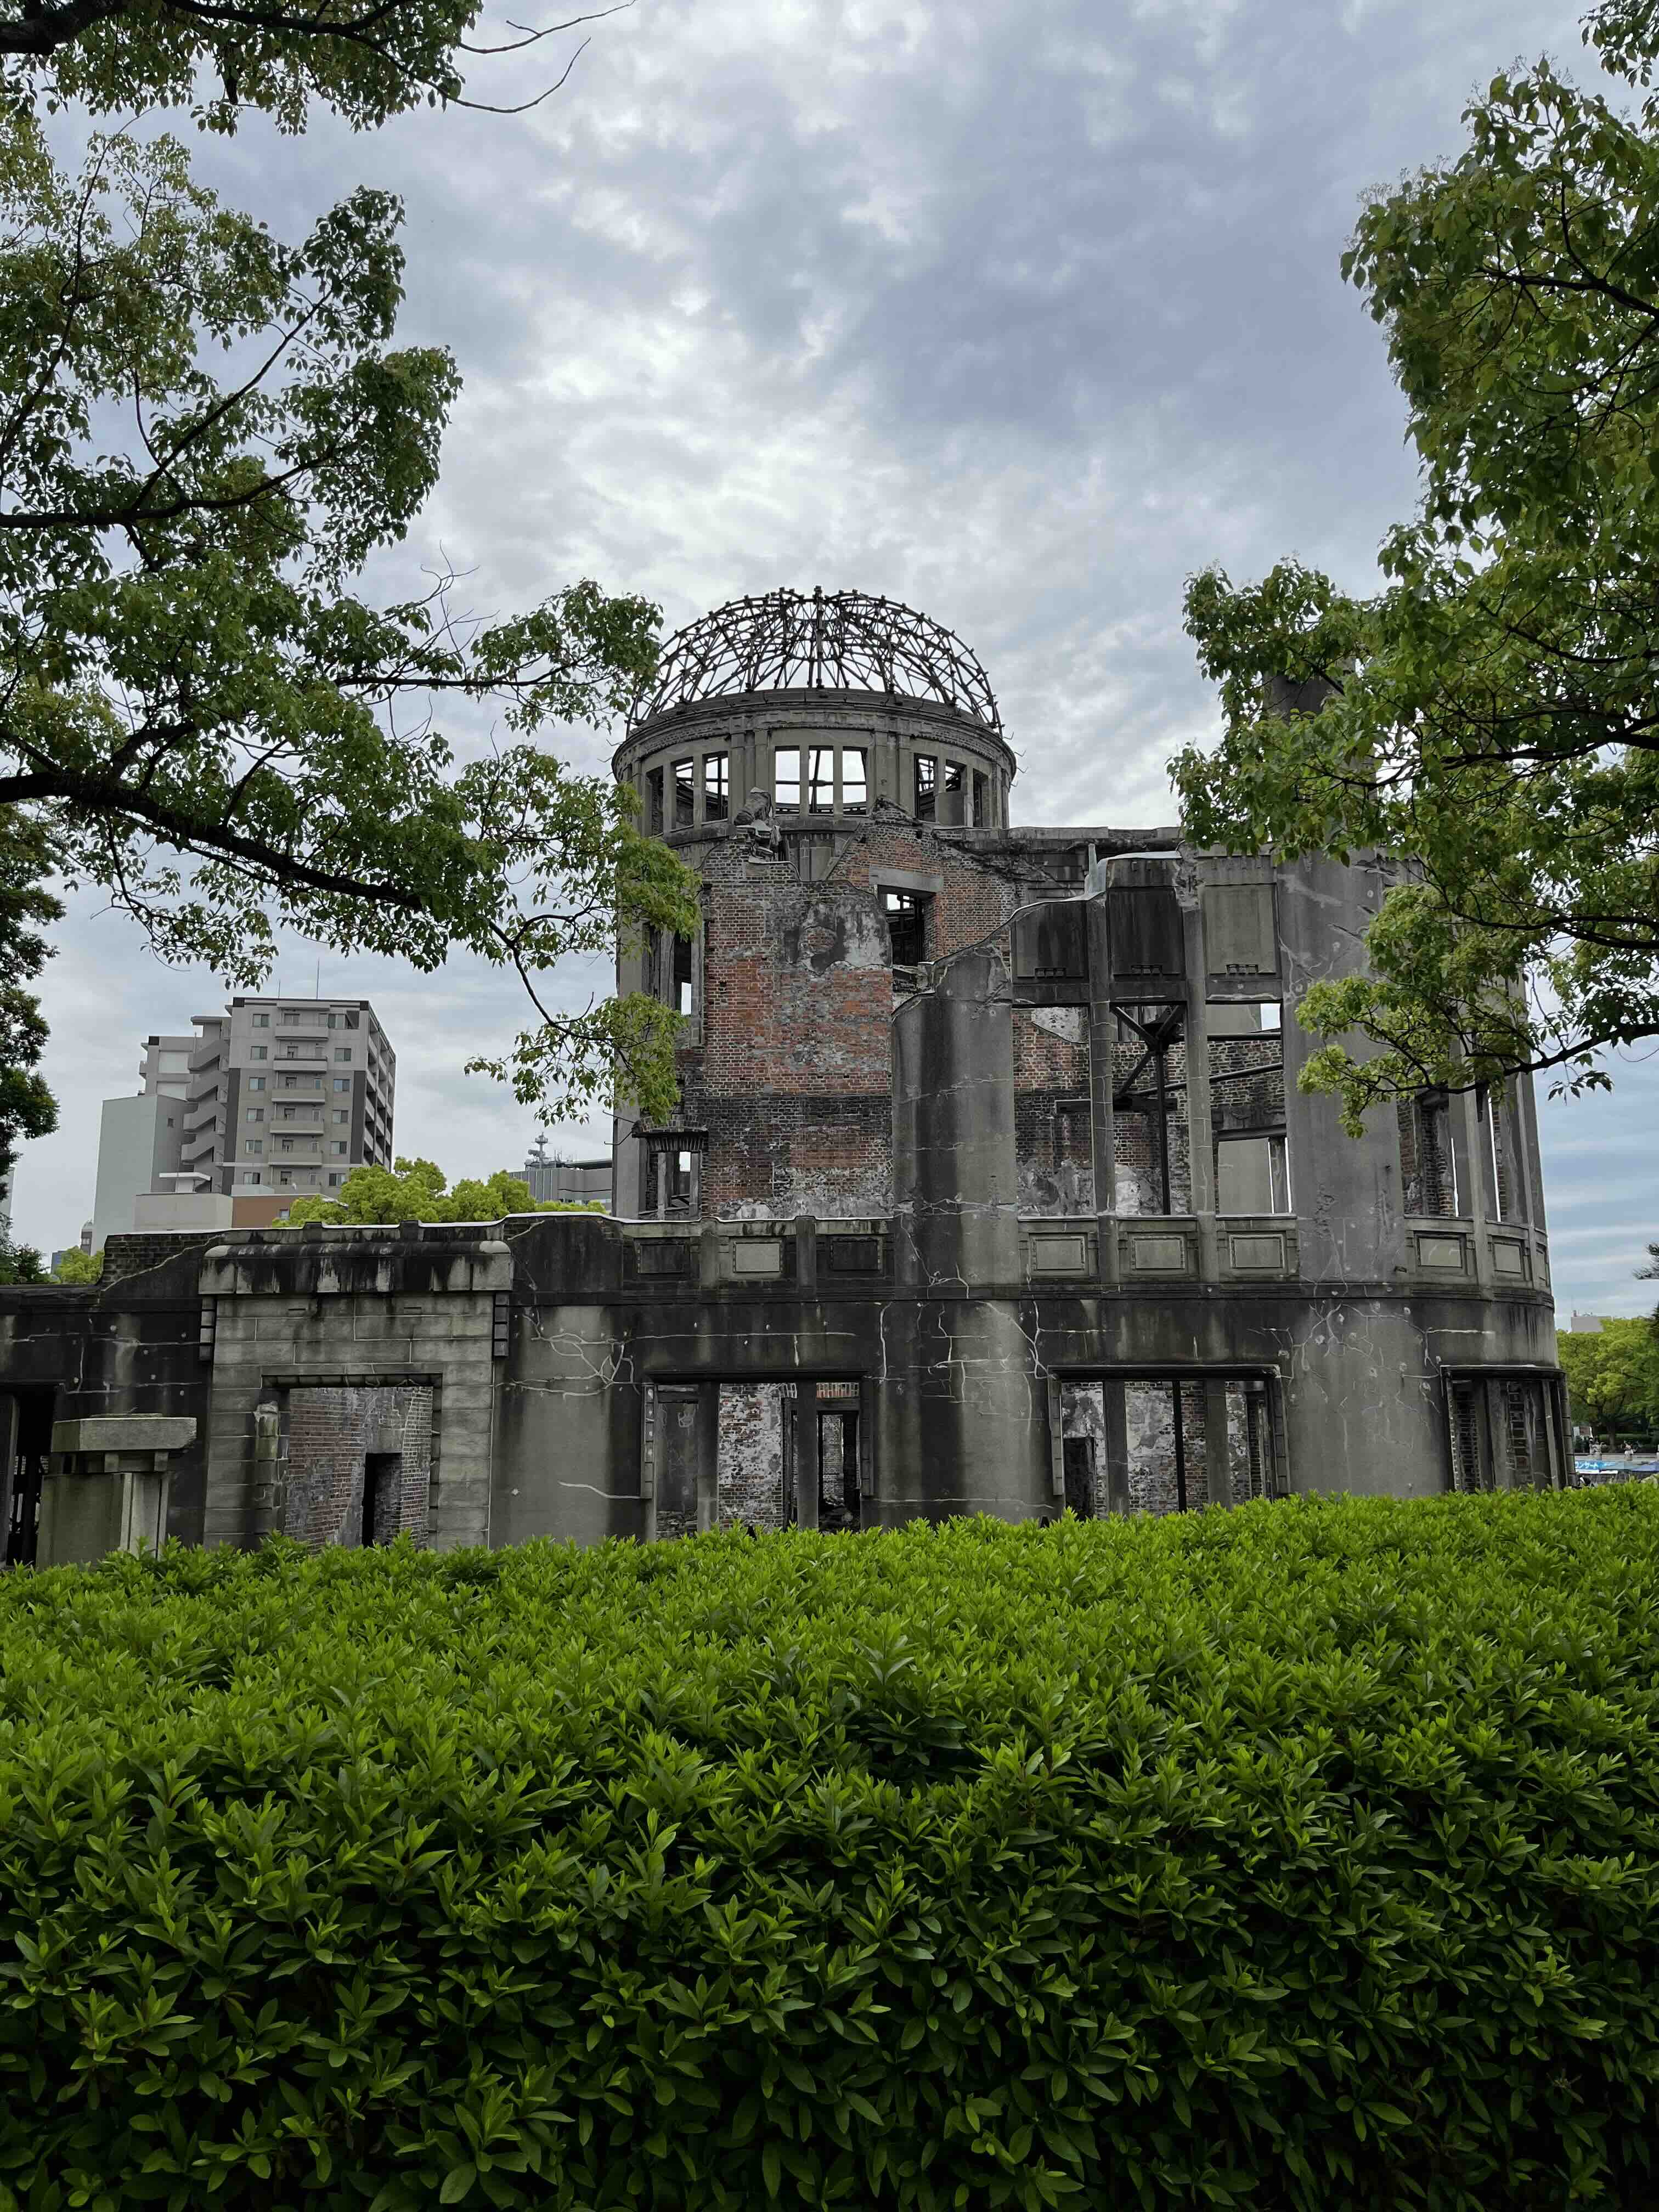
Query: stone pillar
[708,1457]
[806,1454]
[8,1421]
[107,1488]
[955,1176]
[1200,1138]
[1116,1408]
[269,1498]
[1218,1468]
[1102,1050]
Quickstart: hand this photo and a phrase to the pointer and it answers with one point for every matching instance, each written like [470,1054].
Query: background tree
[77,1266]
[419,1191]
[1493,713]
[204,432]
[1612,1375]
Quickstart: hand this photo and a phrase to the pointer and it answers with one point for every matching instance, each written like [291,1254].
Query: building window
[981,801]
[716,787]
[821,780]
[262,1021]
[952,812]
[340,1146]
[926,770]
[682,998]
[1252,1174]
[342,1051]
[284,1178]
[343,1082]
[258,1052]
[855,780]
[256,1113]
[786,778]
[287,1144]
[653,801]
[252,1177]
[907,925]
[256,1083]
[685,792]
[254,1147]
[334,1183]
[343,1113]
[1428,1156]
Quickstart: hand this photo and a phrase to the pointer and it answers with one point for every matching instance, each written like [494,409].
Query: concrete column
[869,1464]
[708,1457]
[954,1169]
[1200,1140]
[1116,1407]
[9,1422]
[1217,1471]
[806,1454]
[106,1490]
[1103,1042]
[807,1254]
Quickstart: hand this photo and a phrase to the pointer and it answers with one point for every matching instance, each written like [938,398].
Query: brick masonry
[333,1433]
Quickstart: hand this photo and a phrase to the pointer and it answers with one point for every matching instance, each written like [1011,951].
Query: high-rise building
[275,1099]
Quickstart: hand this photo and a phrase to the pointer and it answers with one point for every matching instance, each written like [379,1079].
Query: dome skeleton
[787,640]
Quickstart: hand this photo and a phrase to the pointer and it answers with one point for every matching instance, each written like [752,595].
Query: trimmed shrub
[1304,1856]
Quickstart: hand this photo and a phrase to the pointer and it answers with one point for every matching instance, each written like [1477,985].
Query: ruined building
[991,1190]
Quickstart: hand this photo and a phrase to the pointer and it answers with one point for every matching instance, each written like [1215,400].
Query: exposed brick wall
[331,1431]
[793,1077]
[973,903]
[751,1455]
[1053,1153]
[136,1254]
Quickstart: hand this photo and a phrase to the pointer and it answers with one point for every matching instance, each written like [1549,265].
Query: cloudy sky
[1019,313]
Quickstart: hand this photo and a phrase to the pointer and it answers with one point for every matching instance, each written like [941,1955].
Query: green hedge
[1302,1855]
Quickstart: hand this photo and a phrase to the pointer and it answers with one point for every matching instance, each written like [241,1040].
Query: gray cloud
[1020,315]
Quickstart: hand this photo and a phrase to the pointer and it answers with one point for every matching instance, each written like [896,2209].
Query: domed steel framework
[822,640]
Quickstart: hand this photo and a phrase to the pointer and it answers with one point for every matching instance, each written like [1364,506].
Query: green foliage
[1493,716]
[77,1266]
[1302,1857]
[207,432]
[20,1263]
[1613,1375]
[27,1108]
[419,1191]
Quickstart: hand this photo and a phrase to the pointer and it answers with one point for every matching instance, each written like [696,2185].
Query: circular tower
[827,704]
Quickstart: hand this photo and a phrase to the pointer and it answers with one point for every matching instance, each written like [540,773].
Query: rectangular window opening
[682,999]
[716,787]
[684,793]
[906,914]
[786,780]
[654,815]
[820,780]
[927,787]
[981,801]
[855,780]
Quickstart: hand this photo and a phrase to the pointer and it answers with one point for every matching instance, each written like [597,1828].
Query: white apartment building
[275,1099]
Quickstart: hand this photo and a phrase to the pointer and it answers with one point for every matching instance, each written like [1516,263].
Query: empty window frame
[854,780]
[682,999]
[685,792]
[906,914]
[927,786]
[981,801]
[1428,1156]
[716,787]
[1252,1173]
[953,811]
[820,779]
[786,778]
[1501,1143]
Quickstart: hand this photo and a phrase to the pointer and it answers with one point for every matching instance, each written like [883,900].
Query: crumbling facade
[991,1188]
